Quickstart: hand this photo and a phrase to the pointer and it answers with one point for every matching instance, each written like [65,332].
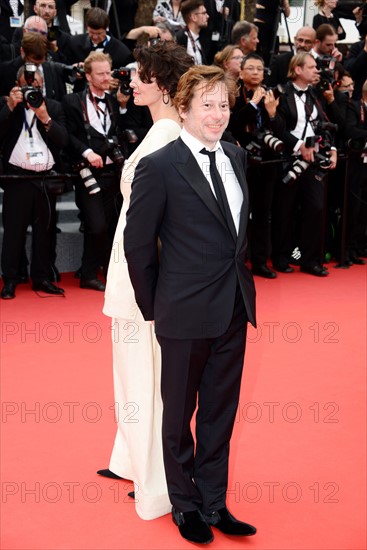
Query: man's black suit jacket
[78,137]
[279,69]
[79,47]
[11,125]
[190,289]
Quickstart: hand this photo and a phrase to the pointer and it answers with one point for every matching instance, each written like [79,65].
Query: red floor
[298,450]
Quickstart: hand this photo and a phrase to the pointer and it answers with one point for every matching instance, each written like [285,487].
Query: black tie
[301,92]
[100,99]
[219,190]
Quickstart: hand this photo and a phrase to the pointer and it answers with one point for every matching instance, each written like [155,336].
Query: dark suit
[200,294]
[25,201]
[101,210]
[306,188]
[356,64]
[80,46]
[279,68]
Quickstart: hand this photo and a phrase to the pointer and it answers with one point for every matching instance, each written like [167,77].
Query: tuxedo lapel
[189,169]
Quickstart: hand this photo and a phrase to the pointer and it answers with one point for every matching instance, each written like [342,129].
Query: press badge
[34,152]
[15,21]
[215,36]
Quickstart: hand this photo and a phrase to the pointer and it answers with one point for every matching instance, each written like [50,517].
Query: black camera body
[112,150]
[123,74]
[31,95]
[326,64]
[263,139]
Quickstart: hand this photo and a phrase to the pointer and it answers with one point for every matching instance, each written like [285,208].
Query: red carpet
[298,450]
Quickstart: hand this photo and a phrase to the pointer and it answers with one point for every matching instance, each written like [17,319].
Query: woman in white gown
[137,452]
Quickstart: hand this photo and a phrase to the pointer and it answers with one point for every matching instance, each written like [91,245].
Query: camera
[356,145]
[31,95]
[298,167]
[87,177]
[53,34]
[263,139]
[326,65]
[123,74]
[73,71]
[112,150]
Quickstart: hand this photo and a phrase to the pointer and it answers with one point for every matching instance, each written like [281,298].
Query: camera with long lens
[262,140]
[123,74]
[298,167]
[31,95]
[87,177]
[113,151]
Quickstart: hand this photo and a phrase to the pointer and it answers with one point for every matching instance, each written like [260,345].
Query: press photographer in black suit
[248,123]
[94,123]
[32,135]
[298,123]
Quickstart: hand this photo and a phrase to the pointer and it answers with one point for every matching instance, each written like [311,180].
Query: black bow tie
[100,99]
[300,93]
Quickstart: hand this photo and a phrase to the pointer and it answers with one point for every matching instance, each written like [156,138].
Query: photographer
[356,133]
[94,123]
[249,124]
[32,134]
[300,122]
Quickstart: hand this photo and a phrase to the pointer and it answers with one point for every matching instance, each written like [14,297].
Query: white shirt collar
[194,144]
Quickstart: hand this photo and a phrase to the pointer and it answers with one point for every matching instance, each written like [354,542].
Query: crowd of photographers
[66,108]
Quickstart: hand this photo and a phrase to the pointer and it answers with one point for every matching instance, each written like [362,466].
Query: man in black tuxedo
[279,64]
[31,139]
[296,124]
[199,292]
[97,39]
[95,123]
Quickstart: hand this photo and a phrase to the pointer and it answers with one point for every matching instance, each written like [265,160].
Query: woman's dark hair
[165,61]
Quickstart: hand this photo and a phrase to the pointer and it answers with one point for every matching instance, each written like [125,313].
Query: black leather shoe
[108,473]
[283,268]
[8,291]
[356,260]
[224,521]
[92,284]
[263,271]
[316,270]
[48,287]
[131,494]
[192,526]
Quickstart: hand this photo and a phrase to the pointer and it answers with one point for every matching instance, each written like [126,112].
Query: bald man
[303,42]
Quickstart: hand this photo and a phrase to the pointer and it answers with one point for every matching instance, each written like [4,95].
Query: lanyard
[28,128]
[99,110]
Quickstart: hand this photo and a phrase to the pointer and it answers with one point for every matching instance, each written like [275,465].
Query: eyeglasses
[254,69]
[44,33]
[237,57]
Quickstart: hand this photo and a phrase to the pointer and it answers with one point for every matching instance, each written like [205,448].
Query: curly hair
[209,76]
[165,61]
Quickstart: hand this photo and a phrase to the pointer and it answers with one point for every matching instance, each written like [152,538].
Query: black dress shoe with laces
[48,287]
[8,290]
[316,270]
[283,268]
[224,521]
[108,473]
[263,271]
[92,284]
[192,526]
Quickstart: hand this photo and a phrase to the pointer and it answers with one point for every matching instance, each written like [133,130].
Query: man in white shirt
[192,195]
